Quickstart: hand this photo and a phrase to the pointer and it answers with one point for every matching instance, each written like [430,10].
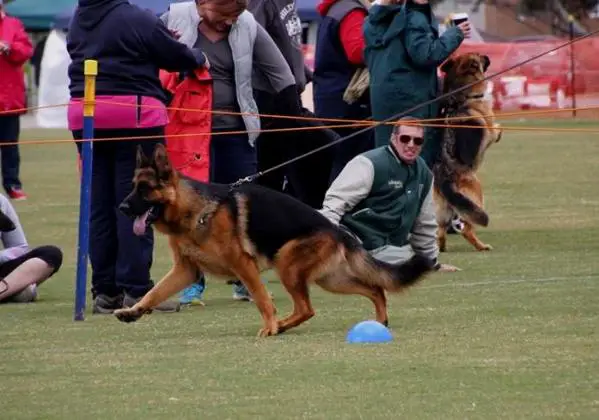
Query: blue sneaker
[241,293]
[193,295]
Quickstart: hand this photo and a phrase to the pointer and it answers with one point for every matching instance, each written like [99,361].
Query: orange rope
[317,119]
[275,130]
[341,120]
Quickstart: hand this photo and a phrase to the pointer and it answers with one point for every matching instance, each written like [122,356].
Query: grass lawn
[514,335]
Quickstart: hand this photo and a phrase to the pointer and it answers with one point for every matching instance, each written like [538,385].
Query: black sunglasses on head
[405,139]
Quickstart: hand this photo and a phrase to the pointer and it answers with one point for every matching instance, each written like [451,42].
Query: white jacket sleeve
[351,186]
[15,243]
[423,238]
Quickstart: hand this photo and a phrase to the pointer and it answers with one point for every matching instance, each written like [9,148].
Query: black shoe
[104,304]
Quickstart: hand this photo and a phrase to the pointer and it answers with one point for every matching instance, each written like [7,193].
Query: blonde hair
[407,120]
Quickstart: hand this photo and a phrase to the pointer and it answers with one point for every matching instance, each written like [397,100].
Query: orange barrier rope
[220,133]
[341,120]
[497,116]
[275,130]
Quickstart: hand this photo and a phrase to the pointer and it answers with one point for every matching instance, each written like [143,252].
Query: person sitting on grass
[22,269]
[384,197]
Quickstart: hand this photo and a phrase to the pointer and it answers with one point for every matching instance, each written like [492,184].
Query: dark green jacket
[387,215]
[403,51]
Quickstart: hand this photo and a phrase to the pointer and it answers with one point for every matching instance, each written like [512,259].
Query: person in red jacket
[15,50]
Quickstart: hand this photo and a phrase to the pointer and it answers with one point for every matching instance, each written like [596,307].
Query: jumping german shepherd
[456,187]
[237,231]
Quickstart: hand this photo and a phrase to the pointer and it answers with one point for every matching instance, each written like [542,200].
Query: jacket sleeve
[352,36]
[15,243]
[270,61]
[171,55]
[423,237]
[423,48]
[350,187]
[21,48]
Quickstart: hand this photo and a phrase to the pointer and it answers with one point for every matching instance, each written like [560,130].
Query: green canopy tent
[38,15]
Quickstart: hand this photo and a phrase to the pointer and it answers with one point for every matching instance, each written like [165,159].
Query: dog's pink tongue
[139,225]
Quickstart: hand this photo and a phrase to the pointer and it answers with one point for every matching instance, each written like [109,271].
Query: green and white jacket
[385,202]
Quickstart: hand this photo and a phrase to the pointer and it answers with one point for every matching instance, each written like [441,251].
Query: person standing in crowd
[131,45]
[236,46]
[403,51]
[15,50]
[22,269]
[338,55]
[280,19]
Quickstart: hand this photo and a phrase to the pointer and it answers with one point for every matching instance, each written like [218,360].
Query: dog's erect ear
[486,62]
[141,159]
[447,66]
[161,162]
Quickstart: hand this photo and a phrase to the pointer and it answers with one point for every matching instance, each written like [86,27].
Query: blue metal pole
[90,71]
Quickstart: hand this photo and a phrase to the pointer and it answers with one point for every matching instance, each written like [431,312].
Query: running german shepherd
[237,231]
[457,188]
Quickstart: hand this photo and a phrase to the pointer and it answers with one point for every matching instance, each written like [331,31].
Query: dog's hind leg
[343,285]
[177,279]
[248,272]
[472,188]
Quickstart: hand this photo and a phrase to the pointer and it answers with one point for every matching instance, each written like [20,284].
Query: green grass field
[514,335]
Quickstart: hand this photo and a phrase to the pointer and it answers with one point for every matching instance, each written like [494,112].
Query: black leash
[395,117]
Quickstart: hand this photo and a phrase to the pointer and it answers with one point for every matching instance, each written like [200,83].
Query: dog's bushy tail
[391,277]
[467,209]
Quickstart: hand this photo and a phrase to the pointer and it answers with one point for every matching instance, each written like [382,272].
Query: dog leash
[251,178]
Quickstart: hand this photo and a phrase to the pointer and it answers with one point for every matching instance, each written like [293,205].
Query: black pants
[120,260]
[10,127]
[308,177]
[50,254]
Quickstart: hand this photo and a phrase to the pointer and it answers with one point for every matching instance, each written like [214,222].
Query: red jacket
[190,123]
[12,79]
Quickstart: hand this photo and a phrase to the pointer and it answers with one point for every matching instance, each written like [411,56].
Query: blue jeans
[10,126]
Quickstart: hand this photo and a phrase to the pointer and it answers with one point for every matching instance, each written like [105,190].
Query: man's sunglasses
[405,139]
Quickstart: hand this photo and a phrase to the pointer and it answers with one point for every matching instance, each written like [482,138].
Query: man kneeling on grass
[384,197]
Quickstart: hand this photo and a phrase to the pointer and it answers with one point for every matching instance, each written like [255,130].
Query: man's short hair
[407,120]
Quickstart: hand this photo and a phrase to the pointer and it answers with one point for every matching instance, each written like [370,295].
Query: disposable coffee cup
[458,18]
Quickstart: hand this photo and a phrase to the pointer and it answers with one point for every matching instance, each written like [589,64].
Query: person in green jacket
[384,198]
[403,51]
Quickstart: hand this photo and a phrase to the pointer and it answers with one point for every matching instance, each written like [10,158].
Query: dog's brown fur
[239,232]
[457,187]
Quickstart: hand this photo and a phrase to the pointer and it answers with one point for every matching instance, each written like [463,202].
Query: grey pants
[388,253]
[392,254]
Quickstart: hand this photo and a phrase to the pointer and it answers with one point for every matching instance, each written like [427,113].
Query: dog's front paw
[485,247]
[128,314]
[270,330]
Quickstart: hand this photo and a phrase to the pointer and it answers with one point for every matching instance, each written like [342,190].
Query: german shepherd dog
[239,230]
[457,189]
